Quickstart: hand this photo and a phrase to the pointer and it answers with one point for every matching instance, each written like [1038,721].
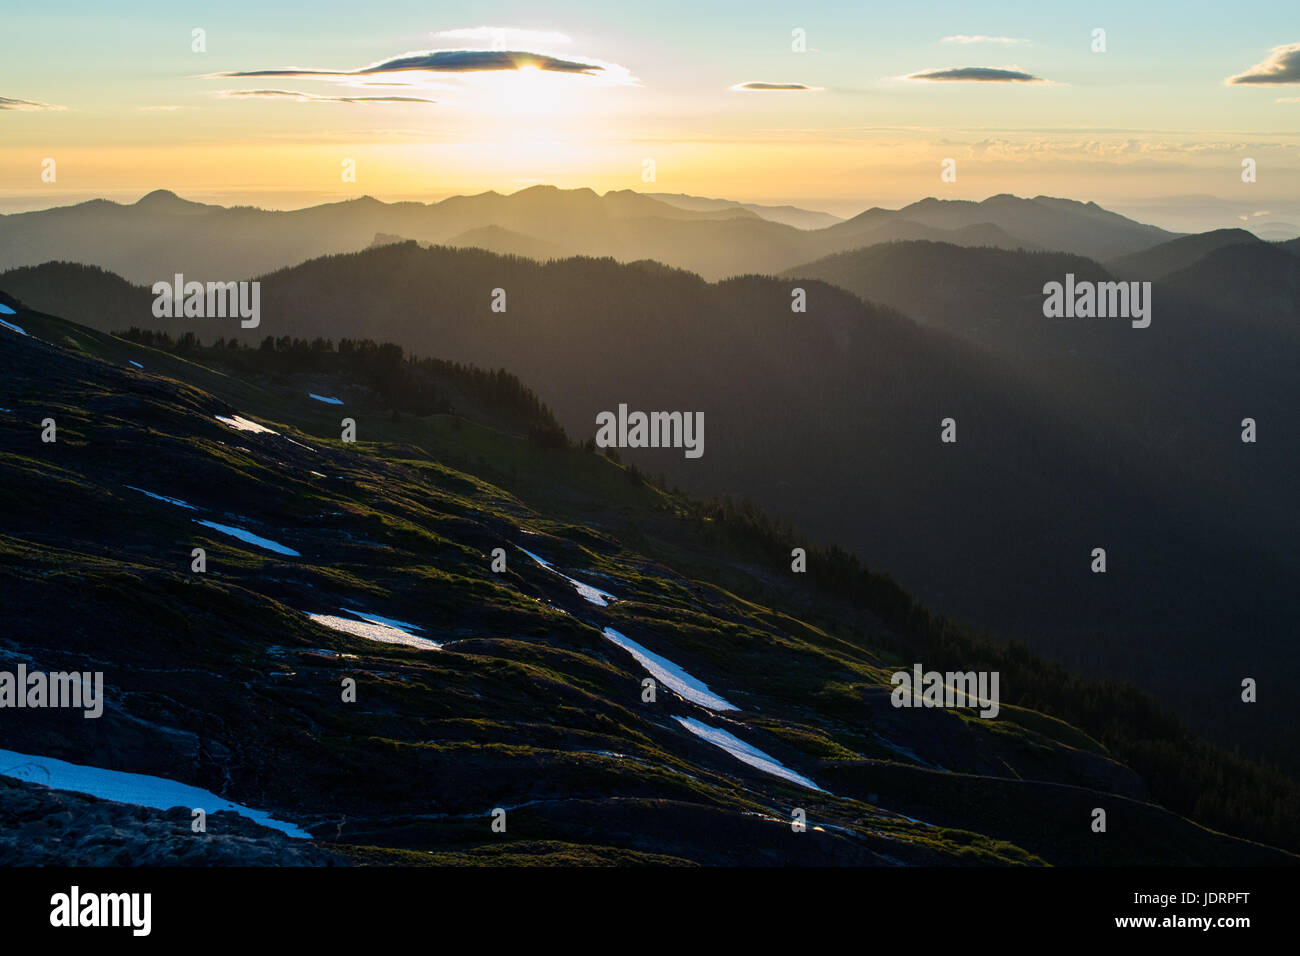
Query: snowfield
[138,788]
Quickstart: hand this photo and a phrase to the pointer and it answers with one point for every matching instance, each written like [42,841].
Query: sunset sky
[124,105]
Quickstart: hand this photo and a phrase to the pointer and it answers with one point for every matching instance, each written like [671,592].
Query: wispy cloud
[312,98]
[761,87]
[977,74]
[498,37]
[981,38]
[26,105]
[1282,66]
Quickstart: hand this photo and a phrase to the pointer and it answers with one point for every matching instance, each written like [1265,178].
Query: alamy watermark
[217,300]
[76,909]
[81,690]
[919,688]
[1101,300]
[651,430]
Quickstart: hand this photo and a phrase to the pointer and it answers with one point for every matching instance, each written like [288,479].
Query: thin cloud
[976,74]
[499,36]
[457,61]
[761,87]
[1282,66]
[981,38]
[26,105]
[312,98]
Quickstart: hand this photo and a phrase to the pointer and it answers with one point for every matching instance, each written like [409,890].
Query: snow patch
[326,399]
[745,752]
[592,595]
[670,675]
[137,788]
[135,363]
[5,310]
[298,443]
[244,425]
[242,535]
[13,328]
[376,628]
[170,501]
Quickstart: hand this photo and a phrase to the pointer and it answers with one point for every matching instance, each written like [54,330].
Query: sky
[277,98]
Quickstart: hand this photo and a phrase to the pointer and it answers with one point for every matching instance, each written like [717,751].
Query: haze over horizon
[1190,214]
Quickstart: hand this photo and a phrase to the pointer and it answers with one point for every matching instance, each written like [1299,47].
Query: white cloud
[980,38]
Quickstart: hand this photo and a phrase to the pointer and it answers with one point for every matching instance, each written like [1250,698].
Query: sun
[526,92]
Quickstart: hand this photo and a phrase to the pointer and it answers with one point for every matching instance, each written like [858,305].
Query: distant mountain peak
[164,200]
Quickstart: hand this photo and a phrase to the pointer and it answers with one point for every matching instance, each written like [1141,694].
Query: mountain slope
[222,680]
[786,215]
[1169,257]
[832,418]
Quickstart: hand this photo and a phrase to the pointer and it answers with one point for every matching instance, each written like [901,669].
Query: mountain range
[162,234]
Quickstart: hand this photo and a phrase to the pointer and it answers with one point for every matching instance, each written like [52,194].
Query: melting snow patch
[376,628]
[744,752]
[5,310]
[170,501]
[13,328]
[135,363]
[298,443]
[244,425]
[588,593]
[251,538]
[317,474]
[138,788]
[326,399]
[668,673]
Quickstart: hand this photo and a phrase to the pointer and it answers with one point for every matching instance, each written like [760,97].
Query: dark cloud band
[977,74]
[1282,67]
[761,87]
[448,61]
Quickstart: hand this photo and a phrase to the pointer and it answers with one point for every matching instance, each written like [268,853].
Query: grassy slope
[222,682]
